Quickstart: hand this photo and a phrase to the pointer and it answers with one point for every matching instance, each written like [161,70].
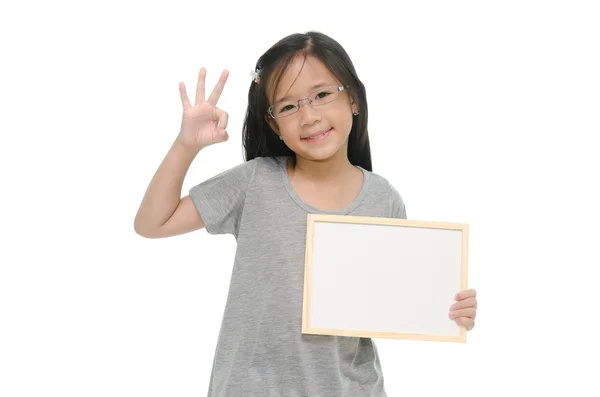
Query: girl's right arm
[162,213]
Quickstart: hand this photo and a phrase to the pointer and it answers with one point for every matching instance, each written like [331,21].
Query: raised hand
[203,124]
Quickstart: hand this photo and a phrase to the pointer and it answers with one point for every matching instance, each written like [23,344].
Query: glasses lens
[324,95]
[284,108]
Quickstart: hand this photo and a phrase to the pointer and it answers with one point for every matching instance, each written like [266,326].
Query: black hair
[259,139]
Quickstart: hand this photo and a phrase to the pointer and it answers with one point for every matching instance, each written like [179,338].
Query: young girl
[307,151]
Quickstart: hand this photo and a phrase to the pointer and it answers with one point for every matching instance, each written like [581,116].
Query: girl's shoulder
[379,182]
[382,187]
[249,167]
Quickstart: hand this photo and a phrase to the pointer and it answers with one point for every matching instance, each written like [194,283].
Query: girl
[307,151]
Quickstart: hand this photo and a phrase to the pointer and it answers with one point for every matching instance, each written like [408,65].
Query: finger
[468,323]
[223,136]
[463,304]
[185,101]
[200,86]
[218,90]
[468,293]
[470,313]
[223,118]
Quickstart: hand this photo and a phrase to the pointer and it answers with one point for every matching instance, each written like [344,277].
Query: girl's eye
[287,108]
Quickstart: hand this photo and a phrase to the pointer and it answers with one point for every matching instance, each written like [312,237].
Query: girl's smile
[317,137]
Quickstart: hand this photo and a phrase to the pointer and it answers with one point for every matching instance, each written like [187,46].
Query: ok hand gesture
[203,124]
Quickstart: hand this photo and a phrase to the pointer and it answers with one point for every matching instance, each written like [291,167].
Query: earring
[355,113]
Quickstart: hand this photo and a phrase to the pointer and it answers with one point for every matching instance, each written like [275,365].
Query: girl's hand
[465,308]
[203,124]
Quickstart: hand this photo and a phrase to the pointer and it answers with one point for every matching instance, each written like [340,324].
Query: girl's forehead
[302,76]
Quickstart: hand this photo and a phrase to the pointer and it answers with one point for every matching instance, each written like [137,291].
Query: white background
[480,112]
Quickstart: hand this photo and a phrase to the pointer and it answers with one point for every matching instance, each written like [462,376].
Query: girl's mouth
[319,137]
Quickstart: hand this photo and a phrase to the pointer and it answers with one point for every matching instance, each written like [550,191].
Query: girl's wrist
[185,149]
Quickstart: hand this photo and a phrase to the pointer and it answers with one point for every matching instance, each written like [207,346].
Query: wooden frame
[419,282]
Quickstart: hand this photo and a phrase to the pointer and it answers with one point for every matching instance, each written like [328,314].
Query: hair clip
[255,75]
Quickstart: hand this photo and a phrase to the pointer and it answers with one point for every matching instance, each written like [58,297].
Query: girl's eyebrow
[312,88]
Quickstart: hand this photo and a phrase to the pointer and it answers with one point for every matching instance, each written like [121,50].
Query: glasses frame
[307,98]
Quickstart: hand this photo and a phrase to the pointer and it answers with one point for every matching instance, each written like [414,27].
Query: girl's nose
[308,114]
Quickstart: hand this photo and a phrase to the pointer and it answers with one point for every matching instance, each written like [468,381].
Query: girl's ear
[354,105]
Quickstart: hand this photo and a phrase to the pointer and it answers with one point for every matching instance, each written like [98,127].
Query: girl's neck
[323,171]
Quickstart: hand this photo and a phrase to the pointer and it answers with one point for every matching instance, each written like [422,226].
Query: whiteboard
[383,277]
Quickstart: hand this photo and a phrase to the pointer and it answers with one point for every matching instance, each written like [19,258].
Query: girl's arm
[163,213]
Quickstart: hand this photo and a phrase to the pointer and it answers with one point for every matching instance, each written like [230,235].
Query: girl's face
[312,132]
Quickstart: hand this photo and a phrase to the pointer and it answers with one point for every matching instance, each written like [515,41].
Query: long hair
[259,139]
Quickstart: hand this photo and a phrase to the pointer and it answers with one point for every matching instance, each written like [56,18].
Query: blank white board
[383,277]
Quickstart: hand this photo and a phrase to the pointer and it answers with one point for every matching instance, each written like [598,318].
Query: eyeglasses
[322,96]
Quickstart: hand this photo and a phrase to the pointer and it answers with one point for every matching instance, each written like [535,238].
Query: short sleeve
[220,199]
[397,204]
[399,209]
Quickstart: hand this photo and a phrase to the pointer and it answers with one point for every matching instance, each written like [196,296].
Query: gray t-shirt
[261,351]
